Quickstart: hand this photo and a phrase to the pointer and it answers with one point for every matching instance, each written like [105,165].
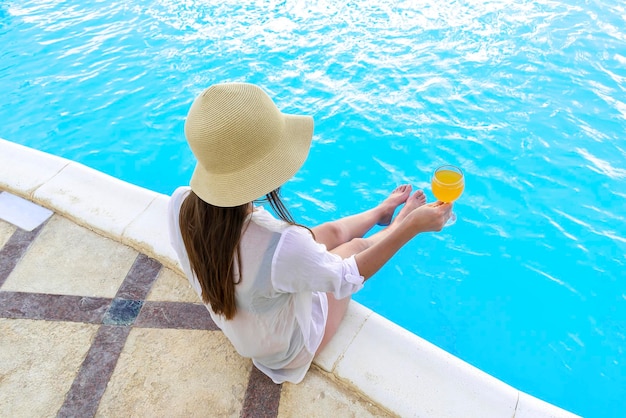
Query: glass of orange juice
[448,184]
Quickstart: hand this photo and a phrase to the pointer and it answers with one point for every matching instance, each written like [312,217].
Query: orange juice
[447,185]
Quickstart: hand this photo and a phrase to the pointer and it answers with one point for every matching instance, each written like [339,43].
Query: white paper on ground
[21,212]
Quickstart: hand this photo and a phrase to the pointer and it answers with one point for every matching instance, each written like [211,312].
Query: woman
[277,290]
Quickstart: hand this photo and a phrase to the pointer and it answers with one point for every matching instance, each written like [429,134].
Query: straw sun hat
[244,145]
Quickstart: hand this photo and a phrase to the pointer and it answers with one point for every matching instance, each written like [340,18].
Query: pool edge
[392,367]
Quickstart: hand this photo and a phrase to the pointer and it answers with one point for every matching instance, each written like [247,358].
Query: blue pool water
[528,97]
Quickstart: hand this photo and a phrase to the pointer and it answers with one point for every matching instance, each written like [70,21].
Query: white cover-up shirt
[281,302]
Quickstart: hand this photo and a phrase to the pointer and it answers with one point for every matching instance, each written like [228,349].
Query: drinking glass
[448,183]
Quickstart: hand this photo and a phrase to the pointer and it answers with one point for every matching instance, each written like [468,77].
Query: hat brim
[263,176]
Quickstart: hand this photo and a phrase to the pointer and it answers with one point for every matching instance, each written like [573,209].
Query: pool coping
[377,358]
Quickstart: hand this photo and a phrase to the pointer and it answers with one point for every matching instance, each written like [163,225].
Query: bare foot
[388,206]
[416,200]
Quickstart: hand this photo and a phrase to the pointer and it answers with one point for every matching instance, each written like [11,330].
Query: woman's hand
[429,217]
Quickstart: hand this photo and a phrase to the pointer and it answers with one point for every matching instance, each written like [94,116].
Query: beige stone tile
[6,230]
[71,260]
[176,373]
[38,363]
[172,287]
[318,396]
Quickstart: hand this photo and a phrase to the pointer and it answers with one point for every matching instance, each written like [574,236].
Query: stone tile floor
[91,327]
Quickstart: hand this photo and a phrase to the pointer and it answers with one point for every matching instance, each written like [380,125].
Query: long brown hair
[212,235]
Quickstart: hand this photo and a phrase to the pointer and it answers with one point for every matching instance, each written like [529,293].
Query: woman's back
[266,326]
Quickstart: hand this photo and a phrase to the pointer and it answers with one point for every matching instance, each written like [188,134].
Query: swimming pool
[529,97]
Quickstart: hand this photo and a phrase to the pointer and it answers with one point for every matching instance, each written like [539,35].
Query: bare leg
[357,245]
[337,307]
[335,233]
[336,311]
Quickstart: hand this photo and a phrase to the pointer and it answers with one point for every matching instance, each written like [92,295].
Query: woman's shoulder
[181,192]
[177,198]
[265,219]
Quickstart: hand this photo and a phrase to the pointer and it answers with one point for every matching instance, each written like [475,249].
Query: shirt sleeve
[302,264]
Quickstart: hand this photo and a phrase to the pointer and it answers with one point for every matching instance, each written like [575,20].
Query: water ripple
[553,279]
[601,166]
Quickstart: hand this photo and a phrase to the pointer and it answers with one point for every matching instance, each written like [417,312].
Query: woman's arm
[373,252]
